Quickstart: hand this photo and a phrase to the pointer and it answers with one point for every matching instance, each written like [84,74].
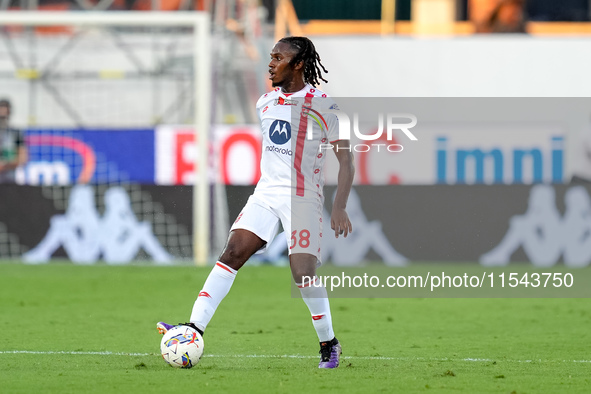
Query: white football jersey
[296,134]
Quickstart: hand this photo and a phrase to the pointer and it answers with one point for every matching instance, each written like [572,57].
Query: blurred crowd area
[109,5]
[482,16]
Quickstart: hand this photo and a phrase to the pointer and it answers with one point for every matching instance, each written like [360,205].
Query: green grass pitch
[85,329]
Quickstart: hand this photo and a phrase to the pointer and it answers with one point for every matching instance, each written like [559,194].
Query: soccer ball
[182,347]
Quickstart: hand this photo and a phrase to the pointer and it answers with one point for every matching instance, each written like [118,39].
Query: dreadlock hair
[306,52]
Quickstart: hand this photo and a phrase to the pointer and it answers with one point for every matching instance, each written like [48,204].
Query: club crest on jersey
[282,101]
[280,132]
[317,116]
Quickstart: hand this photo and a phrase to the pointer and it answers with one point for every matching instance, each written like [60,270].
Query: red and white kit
[290,189]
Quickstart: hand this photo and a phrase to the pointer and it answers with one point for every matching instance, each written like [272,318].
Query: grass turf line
[424,343]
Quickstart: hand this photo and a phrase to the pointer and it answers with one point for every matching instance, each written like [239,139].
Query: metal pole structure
[33,82]
[201,192]
[111,18]
[156,110]
[200,21]
[388,16]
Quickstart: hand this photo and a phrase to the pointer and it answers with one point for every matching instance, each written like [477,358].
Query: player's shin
[214,290]
[316,298]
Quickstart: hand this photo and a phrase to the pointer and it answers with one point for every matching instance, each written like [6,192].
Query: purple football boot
[330,354]
[163,327]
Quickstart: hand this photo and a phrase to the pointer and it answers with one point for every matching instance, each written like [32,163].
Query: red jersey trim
[299,150]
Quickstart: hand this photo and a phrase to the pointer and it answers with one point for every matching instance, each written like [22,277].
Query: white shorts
[301,220]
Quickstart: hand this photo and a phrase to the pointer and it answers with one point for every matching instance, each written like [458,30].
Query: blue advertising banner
[68,156]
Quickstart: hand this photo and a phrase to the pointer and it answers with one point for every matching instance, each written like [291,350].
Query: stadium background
[124,119]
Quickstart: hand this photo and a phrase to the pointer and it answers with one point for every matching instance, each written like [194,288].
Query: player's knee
[302,274]
[234,257]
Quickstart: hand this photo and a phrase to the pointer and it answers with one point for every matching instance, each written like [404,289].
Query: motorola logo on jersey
[280,132]
[283,151]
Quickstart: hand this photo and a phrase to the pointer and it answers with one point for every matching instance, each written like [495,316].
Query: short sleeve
[332,121]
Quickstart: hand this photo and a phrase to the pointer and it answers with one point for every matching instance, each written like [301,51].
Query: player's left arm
[339,220]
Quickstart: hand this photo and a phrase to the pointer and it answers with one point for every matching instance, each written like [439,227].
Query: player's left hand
[340,223]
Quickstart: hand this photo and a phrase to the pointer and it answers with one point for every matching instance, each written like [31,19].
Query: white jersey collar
[304,90]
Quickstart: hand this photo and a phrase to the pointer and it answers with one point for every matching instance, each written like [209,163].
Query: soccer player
[290,190]
[13,152]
